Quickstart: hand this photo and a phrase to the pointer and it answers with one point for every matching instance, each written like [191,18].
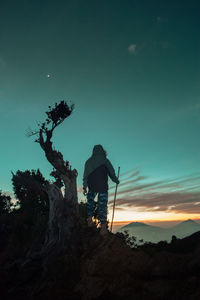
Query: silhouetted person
[95,178]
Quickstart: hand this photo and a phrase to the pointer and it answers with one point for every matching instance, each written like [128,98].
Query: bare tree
[63,210]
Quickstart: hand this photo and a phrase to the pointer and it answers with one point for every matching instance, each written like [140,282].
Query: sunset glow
[142,217]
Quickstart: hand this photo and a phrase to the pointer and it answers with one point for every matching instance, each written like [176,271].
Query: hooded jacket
[96,171]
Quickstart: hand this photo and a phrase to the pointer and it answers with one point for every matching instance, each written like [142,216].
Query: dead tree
[63,209]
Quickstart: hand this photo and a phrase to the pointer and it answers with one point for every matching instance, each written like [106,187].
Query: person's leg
[102,207]
[90,206]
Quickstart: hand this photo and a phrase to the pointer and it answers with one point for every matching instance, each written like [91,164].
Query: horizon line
[173,220]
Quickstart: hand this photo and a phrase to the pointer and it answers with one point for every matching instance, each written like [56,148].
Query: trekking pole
[114,201]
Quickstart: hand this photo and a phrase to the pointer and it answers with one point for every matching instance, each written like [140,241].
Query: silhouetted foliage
[152,248]
[58,113]
[55,116]
[29,188]
[58,180]
[5,203]
[129,240]
[26,225]
[174,239]
[6,221]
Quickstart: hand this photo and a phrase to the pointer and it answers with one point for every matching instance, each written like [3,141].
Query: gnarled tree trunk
[63,210]
[63,216]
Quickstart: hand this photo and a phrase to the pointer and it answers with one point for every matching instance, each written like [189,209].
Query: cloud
[119,208]
[172,195]
[134,180]
[132,49]
[128,172]
[179,195]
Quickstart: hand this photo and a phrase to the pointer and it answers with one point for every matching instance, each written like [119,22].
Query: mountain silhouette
[155,234]
[135,224]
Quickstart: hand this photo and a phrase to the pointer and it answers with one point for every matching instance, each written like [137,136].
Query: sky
[132,69]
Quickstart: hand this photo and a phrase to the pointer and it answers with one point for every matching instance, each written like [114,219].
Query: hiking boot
[104,229]
[90,222]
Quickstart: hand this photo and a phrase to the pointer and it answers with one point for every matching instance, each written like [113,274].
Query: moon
[48,75]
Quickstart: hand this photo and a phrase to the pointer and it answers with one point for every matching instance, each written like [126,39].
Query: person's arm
[111,171]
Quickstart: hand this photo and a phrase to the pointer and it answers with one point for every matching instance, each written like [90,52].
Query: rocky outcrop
[104,267]
[112,268]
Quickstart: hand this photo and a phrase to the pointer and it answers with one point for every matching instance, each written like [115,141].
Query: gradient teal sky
[132,69]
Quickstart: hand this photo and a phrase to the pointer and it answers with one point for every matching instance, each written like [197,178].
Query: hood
[98,150]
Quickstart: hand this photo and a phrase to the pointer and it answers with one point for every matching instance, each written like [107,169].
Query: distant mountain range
[155,234]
